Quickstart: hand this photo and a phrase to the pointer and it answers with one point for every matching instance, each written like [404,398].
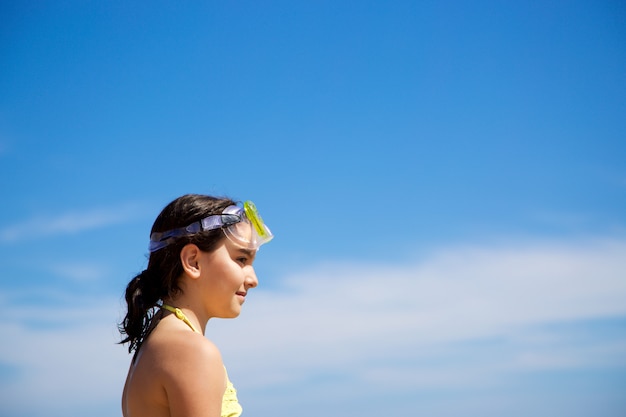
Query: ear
[189,258]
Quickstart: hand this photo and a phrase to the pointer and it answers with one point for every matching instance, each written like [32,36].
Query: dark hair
[161,278]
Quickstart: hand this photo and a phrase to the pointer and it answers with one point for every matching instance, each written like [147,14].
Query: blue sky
[446,182]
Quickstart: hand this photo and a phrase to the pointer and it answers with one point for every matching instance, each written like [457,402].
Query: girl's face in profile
[227,274]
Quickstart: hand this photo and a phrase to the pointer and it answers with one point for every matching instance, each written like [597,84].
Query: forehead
[243,229]
[239,235]
[235,250]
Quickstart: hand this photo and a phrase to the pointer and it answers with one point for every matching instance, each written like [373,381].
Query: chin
[231,315]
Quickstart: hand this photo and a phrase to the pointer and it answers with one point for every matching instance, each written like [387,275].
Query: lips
[241,293]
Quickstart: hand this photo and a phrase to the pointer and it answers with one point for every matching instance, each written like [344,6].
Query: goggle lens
[232,221]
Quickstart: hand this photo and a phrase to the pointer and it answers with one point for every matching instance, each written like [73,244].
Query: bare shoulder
[181,372]
[181,346]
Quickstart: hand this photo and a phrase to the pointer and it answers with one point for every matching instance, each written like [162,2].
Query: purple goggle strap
[230,215]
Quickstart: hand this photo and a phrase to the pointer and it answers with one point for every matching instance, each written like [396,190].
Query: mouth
[241,293]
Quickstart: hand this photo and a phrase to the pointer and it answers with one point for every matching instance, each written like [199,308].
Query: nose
[251,281]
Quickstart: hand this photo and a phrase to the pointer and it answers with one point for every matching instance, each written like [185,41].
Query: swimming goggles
[242,225]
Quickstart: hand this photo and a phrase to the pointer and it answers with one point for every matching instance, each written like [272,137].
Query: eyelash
[242,260]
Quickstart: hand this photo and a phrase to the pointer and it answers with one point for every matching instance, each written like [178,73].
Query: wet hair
[160,279]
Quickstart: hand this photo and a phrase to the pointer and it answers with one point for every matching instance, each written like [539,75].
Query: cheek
[228,274]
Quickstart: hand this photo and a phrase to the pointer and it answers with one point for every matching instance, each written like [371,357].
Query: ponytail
[141,299]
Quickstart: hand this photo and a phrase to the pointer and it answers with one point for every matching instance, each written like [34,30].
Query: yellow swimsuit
[230,404]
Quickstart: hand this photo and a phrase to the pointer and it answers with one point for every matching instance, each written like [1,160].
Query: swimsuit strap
[180,315]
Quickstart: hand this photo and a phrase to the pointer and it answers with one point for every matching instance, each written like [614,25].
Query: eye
[242,260]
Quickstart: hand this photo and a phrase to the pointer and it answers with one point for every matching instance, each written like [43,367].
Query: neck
[186,314]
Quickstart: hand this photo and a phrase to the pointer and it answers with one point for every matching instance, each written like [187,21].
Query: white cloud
[69,223]
[69,359]
[79,272]
[342,314]
[463,317]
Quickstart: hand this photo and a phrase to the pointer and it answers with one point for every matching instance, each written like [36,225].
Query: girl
[200,266]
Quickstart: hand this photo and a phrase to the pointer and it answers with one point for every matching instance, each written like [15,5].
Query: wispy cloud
[70,222]
[79,272]
[463,317]
[73,365]
[459,294]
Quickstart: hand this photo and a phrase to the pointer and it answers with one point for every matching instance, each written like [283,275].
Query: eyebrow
[250,253]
